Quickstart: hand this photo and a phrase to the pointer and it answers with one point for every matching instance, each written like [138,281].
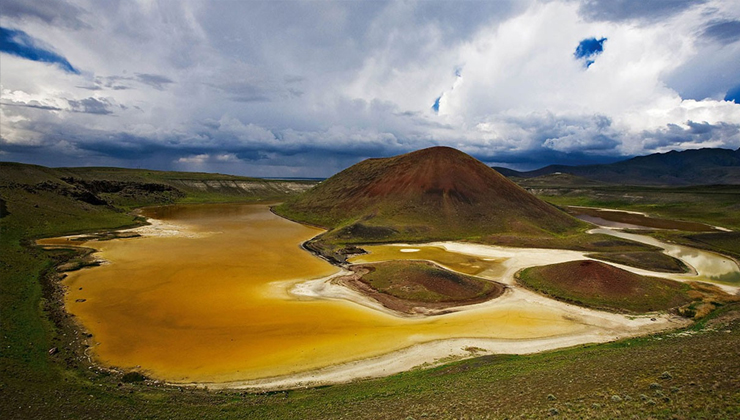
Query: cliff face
[242,187]
[135,187]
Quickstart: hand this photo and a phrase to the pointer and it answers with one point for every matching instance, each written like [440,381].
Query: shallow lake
[633,220]
[709,266]
[205,298]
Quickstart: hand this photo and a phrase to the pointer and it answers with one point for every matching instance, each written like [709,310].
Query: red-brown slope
[436,192]
[600,285]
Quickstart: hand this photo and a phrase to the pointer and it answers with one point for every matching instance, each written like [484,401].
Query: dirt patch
[419,287]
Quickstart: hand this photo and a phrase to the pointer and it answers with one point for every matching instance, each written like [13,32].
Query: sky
[306,89]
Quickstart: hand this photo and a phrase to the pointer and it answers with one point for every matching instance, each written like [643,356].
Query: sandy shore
[719,228]
[611,210]
[597,326]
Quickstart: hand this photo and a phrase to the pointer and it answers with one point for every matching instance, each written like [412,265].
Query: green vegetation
[640,219]
[421,281]
[716,205]
[40,347]
[129,188]
[683,374]
[436,194]
[651,260]
[602,286]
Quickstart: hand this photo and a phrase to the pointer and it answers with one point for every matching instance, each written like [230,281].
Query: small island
[419,287]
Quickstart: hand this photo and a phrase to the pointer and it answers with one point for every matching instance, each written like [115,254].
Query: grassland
[37,203]
[129,188]
[716,205]
[693,373]
[650,260]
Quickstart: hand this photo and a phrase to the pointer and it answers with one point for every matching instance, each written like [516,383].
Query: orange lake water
[211,304]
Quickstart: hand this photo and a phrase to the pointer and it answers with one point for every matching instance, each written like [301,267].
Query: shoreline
[437,352]
[432,353]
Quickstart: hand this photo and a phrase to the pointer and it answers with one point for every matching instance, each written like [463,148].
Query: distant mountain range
[689,167]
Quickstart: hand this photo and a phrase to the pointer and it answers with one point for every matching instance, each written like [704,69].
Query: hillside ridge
[433,193]
[704,166]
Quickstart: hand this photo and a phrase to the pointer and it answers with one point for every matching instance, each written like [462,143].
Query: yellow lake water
[211,303]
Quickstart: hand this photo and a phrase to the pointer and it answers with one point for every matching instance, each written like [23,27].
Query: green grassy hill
[136,187]
[432,193]
[436,194]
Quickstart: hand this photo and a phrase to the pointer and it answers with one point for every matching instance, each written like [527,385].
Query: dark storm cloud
[620,10]
[61,141]
[542,157]
[96,106]
[22,45]
[52,12]
[570,141]
[124,146]
[33,105]
[580,134]
[726,32]
[694,133]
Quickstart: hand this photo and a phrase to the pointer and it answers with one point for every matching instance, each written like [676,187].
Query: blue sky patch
[588,49]
[733,95]
[22,45]
[435,107]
